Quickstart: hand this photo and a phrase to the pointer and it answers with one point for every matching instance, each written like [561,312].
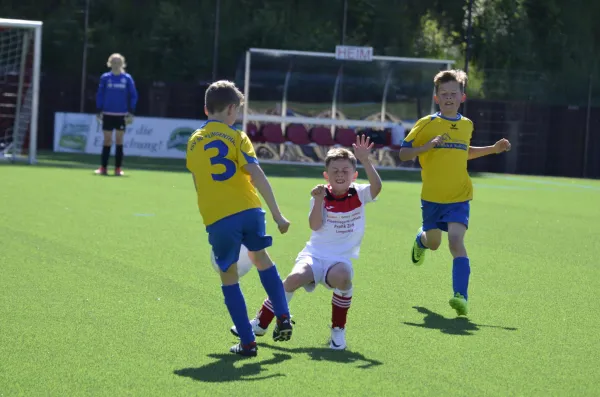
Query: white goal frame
[246,118]
[35,27]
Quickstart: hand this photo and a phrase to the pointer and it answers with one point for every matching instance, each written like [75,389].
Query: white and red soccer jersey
[343,225]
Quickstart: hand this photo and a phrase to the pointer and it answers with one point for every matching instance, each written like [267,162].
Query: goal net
[20,56]
[298,103]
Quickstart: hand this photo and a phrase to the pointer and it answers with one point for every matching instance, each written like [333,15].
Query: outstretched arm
[503,145]
[246,158]
[260,181]
[373,177]
[408,153]
[362,149]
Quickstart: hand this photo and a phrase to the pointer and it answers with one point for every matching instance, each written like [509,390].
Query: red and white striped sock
[266,314]
[340,303]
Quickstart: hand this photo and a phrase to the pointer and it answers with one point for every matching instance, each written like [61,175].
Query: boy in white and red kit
[337,219]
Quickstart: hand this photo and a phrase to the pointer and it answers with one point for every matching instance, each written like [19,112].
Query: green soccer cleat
[459,303]
[418,254]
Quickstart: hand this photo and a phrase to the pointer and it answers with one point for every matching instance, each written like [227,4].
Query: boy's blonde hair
[116,55]
[446,76]
[340,154]
[221,94]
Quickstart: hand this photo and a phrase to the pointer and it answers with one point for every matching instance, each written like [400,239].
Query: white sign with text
[351,53]
[146,136]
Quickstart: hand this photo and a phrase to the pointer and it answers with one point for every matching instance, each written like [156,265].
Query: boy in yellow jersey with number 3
[226,177]
[442,142]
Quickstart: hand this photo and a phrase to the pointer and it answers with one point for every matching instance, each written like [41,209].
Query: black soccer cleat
[283,329]
[250,350]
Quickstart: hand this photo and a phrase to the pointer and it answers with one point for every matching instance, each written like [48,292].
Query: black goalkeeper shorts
[110,122]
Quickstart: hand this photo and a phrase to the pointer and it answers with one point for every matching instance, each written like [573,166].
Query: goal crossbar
[19,23]
[381,73]
[315,54]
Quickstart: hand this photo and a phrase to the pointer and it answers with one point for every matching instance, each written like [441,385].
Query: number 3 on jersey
[220,158]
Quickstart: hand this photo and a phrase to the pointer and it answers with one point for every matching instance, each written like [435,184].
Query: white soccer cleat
[338,338]
[258,331]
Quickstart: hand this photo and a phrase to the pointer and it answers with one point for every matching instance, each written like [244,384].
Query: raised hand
[319,191]
[362,148]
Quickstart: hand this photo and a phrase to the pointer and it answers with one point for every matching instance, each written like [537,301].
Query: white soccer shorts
[320,268]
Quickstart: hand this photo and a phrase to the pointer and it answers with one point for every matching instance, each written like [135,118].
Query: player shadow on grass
[223,370]
[328,354]
[451,326]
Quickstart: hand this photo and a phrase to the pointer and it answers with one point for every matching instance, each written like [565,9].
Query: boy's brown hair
[221,94]
[340,154]
[446,76]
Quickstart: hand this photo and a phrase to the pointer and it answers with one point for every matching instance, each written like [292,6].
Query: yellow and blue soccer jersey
[216,154]
[444,168]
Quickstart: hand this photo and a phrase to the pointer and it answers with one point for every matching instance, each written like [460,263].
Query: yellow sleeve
[419,135]
[246,154]
[190,154]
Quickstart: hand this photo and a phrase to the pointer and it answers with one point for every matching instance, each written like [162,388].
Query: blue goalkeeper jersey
[116,94]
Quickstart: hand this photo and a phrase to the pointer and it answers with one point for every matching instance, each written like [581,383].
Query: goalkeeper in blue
[442,143]
[116,100]
[226,177]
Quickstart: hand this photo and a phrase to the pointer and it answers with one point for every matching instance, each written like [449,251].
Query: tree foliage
[523,48]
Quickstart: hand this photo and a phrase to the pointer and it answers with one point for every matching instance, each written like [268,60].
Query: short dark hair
[340,154]
[221,94]
[446,76]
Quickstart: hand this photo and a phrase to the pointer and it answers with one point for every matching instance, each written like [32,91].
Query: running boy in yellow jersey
[442,142]
[226,177]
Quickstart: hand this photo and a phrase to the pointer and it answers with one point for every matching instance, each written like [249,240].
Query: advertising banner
[146,136]
[167,138]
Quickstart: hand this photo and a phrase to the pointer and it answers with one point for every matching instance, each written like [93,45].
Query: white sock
[289,296]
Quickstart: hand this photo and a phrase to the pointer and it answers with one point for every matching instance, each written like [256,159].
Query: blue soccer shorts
[227,235]
[437,216]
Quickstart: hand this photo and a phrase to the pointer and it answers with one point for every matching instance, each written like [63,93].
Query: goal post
[20,61]
[322,93]
[377,82]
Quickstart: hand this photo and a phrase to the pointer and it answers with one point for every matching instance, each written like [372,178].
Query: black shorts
[110,122]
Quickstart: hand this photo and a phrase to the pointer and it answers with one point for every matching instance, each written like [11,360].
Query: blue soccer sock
[460,276]
[234,300]
[274,287]
[419,242]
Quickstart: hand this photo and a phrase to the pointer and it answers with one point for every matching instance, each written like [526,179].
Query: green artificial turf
[106,289]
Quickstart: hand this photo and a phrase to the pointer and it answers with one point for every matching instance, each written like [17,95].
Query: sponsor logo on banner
[179,138]
[74,133]
[146,136]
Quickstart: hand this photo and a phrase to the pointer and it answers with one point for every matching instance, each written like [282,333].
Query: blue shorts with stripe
[227,235]
[437,216]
